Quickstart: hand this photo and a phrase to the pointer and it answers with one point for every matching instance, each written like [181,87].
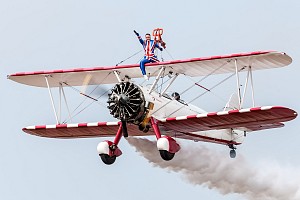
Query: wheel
[166,155]
[107,159]
[232,153]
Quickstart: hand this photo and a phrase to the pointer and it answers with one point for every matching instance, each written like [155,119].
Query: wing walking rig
[142,111]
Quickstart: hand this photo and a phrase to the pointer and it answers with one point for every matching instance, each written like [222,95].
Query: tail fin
[233,103]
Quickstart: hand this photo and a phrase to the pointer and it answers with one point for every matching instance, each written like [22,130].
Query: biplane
[141,110]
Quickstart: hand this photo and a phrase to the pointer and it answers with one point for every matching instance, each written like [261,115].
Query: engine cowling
[126,102]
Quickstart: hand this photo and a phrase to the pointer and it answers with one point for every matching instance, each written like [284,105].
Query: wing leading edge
[190,67]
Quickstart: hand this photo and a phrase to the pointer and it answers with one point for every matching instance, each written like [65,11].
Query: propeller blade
[85,83]
[124,129]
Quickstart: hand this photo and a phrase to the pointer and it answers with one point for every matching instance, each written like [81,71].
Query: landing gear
[166,155]
[166,145]
[232,152]
[108,150]
[107,159]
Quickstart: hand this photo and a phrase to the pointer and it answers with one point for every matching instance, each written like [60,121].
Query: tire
[232,153]
[107,159]
[166,155]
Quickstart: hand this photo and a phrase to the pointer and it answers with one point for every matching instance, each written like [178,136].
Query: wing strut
[238,82]
[117,75]
[167,87]
[249,76]
[51,97]
[63,92]
[252,87]
[157,78]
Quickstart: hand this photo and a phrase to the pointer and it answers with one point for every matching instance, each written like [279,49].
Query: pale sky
[45,35]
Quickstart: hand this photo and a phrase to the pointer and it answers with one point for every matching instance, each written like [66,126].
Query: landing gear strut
[166,145]
[108,150]
[232,152]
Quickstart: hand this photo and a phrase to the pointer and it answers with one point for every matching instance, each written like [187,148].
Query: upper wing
[190,67]
[83,130]
[250,119]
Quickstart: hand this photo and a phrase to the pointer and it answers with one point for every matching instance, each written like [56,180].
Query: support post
[118,135]
[252,87]
[155,127]
[172,80]
[156,79]
[59,106]
[63,92]
[245,88]
[118,77]
[52,102]
[238,82]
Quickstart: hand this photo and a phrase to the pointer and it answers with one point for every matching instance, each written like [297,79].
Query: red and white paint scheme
[143,111]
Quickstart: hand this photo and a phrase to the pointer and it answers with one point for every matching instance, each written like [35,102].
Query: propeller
[85,84]
[97,91]
[126,102]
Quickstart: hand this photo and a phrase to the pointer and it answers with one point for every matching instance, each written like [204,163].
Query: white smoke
[202,166]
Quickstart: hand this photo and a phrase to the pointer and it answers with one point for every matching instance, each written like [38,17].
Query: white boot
[146,77]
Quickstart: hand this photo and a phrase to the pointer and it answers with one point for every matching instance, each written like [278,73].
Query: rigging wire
[86,96]
[197,84]
[194,84]
[129,57]
[208,90]
[169,54]
[94,99]
[91,104]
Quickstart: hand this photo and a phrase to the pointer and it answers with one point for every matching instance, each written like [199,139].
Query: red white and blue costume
[149,47]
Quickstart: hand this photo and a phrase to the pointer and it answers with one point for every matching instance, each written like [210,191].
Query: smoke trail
[203,166]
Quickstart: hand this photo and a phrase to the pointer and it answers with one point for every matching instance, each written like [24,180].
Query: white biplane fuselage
[165,106]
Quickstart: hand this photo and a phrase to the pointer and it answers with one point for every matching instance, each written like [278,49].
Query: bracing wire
[128,57]
[207,90]
[94,99]
[193,85]
[203,93]
[169,54]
